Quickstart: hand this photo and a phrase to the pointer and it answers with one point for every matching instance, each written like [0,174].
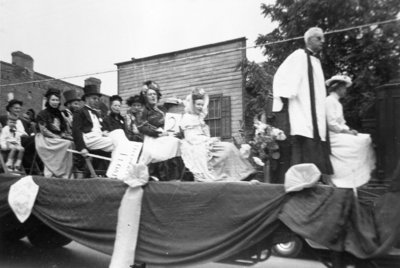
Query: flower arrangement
[264,146]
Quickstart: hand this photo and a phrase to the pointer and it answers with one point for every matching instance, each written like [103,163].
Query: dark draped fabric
[200,222]
[185,223]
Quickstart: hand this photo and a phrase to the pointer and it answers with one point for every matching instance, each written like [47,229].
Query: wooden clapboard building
[212,67]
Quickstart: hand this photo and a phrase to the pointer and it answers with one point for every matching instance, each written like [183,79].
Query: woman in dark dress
[160,149]
[52,142]
[114,123]
[114,120]
[135,110]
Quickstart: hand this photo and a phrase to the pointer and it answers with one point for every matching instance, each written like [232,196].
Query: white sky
[71,37]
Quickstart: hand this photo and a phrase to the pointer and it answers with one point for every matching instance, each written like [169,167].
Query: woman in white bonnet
[209,159]
[352,155]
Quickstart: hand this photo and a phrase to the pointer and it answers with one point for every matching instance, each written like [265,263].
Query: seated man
[72,104]
[10,139]
[87,124]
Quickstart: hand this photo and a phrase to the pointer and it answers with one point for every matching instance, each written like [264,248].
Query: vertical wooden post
[267,171]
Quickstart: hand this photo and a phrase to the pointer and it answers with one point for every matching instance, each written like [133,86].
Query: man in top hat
[72,104]
[87,124]
[299,88]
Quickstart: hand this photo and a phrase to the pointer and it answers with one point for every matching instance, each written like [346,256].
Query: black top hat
[12,102]
[89,90]
[70,95]
[52,91]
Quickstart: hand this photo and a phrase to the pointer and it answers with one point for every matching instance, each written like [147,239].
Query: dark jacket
[46,118]
[150,120]
[82,123]
[113,121]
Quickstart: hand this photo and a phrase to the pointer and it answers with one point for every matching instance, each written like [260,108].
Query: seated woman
[52,142]
[158,146]
[352,155]
[114,119]
[135,104]
[114,122]
[208,158]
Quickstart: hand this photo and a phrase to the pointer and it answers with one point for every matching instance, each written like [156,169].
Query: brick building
[212,67]
[31,92]
[30,86]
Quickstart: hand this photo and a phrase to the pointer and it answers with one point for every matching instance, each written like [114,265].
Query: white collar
[334,95]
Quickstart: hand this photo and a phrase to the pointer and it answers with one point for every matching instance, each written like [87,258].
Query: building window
[214,116]
[219,116]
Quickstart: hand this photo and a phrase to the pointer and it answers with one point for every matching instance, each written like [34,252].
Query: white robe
[291,81]
[352,156]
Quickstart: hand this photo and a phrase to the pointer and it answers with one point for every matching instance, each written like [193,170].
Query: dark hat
[70,95]
[114,98]
[52,91]
[135,99]
[149,84]
[12,102]
[89,90]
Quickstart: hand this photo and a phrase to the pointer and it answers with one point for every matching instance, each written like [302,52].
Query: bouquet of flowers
[264,146]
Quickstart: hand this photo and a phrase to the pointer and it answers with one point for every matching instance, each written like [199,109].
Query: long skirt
[159,149]
[215,161]
[56,159]
[353,159]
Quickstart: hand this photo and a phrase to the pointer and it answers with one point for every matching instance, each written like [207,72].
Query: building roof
[38,74]
[133,60]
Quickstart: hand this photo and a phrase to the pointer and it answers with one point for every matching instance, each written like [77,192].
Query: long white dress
[352,157]
[210,159]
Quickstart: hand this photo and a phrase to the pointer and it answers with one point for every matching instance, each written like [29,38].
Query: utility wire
[203,55]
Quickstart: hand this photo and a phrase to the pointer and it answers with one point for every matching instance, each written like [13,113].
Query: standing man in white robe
[299,85]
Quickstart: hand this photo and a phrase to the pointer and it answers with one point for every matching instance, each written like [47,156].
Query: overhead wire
[201,55]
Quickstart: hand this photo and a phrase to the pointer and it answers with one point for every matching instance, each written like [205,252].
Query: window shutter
[226,117]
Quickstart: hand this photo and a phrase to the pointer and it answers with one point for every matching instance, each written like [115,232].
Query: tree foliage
[258,84]
[369,55]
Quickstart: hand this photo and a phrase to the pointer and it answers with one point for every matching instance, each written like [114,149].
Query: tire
[290,249]
[45,237]
[11,230]
[12,236]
